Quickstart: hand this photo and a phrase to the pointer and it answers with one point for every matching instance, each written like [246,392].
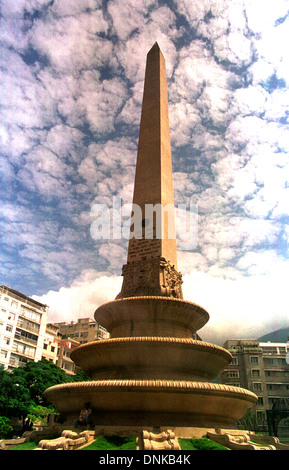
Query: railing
[27,325]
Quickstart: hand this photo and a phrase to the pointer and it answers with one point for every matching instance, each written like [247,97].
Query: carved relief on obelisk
[151,267]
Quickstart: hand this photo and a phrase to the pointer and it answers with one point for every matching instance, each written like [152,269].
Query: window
[272,361]
[25,336]
[260,401]
[3,354]
[44,346]
[261,415]
[18,361]
[233,373]
[274,386]
[254,360]
[271,400]
[234,361]
[257,386]
[9,328]
[255,373]
[269,349]
[24,349]
[31,314]
[28,325]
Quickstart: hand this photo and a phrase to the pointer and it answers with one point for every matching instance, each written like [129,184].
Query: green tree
[22,389]
[80,376]
[40,413]
[39,376]
[5,428]
[250,421]
[14,394]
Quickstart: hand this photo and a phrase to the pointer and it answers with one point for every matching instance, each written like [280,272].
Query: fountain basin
[153,402]
[151,358]
[151,316]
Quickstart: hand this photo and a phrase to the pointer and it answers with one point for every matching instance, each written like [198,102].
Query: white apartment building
[26,336]
[22,328]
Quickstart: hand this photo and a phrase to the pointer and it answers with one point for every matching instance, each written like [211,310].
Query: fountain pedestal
[152,380]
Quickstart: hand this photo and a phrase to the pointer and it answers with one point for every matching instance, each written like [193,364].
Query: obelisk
[151,267]
[151,371]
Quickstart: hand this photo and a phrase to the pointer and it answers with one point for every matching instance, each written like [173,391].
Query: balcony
[26,337]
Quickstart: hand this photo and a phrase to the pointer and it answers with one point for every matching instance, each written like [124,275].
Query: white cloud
[127,16]
[82,48]
[74,7]
[246,307]
[82,297]
[20,6]
[252,99]
[45,173]
[24,100]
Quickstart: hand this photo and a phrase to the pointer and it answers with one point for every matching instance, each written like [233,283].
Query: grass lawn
[112,443]
[200,444]
[129,443]
[25,446]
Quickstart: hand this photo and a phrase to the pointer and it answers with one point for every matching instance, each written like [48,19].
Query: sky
[72,76]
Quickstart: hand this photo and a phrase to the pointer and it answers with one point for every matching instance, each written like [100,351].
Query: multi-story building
[57,349]
[50,344]
[26,336]
[84,330]
[22,328]
[65,346]
[261,368]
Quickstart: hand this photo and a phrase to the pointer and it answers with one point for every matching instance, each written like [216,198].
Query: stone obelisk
[151,267]
[151,371]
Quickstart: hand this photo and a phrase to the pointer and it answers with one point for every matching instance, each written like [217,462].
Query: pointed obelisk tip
[155,47]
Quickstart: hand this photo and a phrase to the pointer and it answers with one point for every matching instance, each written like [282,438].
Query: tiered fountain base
[150,373]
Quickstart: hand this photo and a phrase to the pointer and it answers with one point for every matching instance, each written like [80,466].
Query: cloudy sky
[71,85]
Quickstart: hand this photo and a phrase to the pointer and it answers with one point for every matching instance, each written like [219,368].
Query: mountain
[278,336]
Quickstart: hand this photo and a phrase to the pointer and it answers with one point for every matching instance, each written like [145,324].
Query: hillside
[278,336]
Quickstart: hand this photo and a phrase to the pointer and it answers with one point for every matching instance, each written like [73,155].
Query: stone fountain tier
[151,316]
[153,402]
[151,358]
[151,372]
